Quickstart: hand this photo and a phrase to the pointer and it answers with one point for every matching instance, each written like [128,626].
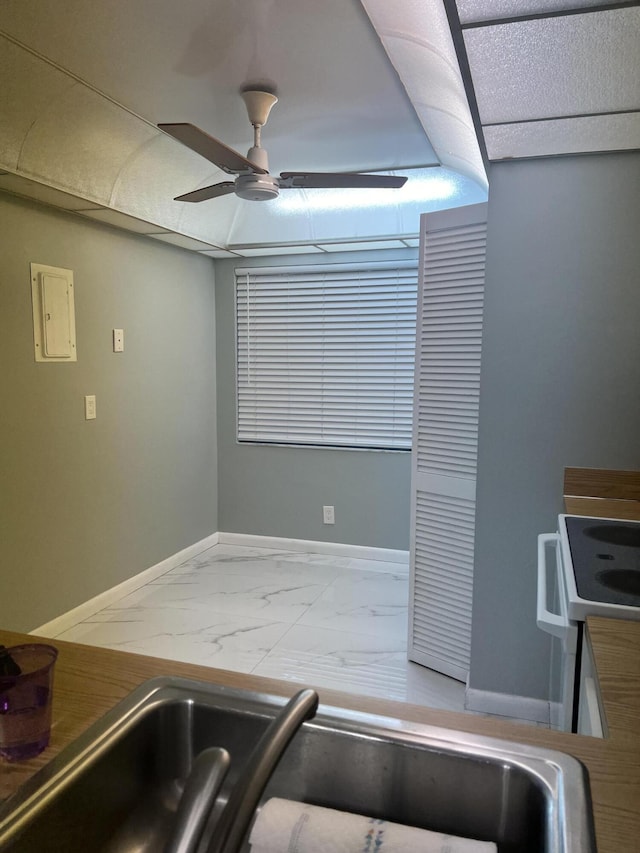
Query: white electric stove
[596,572]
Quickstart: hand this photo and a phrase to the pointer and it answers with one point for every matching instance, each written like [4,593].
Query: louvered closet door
[445,437]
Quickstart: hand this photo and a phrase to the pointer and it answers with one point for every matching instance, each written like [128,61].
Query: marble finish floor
[312,619]
[333,622]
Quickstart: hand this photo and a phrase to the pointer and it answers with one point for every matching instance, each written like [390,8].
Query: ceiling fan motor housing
[257,187]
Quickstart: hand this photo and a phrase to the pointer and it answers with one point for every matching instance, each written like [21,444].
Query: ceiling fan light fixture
[257,187]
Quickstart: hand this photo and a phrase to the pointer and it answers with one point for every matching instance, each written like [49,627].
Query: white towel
[284,826]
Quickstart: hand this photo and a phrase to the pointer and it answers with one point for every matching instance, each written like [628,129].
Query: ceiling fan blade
[206,193]
[327,180]
[212,149]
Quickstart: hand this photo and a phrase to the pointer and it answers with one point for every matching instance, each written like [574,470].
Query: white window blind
[325,354]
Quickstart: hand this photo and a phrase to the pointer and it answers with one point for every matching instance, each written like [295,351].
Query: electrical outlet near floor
[328,515]
[118,340]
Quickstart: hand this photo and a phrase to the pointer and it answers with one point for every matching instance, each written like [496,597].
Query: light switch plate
[90,407]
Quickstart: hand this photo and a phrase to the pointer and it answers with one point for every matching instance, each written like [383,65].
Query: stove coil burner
[614,535]
[622,580]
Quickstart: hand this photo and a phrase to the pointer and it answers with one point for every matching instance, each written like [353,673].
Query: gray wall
[560,381]
[280,491]
[87,504]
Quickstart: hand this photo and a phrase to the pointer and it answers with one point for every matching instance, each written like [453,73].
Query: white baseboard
[555,715]
[88,608]
[335,549]
[507,705]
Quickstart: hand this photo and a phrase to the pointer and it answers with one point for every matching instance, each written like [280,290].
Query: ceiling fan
[253,180]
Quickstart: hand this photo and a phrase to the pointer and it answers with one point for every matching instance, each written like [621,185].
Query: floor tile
[199,637]
[274,564]
[334,622]
[273,596]
[342,564]
[365,602]
[358,663]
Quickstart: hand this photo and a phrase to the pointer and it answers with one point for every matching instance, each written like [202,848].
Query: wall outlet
[118,340]
[328,515]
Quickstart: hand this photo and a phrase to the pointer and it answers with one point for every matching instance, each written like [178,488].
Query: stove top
[606,559]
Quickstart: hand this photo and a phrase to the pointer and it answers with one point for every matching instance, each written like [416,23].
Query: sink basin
[116,788]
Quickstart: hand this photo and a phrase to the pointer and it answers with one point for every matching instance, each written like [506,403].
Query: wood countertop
[89,681]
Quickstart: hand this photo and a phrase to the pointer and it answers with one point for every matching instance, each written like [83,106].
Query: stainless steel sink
[117,787]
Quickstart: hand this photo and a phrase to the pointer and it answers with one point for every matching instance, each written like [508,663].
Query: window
[325,354]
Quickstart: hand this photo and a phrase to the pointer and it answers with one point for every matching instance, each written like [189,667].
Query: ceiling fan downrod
[258,104]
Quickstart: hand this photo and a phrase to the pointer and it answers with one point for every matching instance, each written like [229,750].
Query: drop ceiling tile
[278,250]
[218,253]
[563,136]
[365,244]
[491,10]
[571,65]
[121,220]
[41,192]
[182,241]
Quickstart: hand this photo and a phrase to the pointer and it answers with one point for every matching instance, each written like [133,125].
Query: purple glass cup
[25,700]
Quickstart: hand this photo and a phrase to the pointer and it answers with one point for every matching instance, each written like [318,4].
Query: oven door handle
[552,623]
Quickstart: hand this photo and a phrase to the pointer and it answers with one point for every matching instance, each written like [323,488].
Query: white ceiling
[340,103]
[364,85]
[86,83]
